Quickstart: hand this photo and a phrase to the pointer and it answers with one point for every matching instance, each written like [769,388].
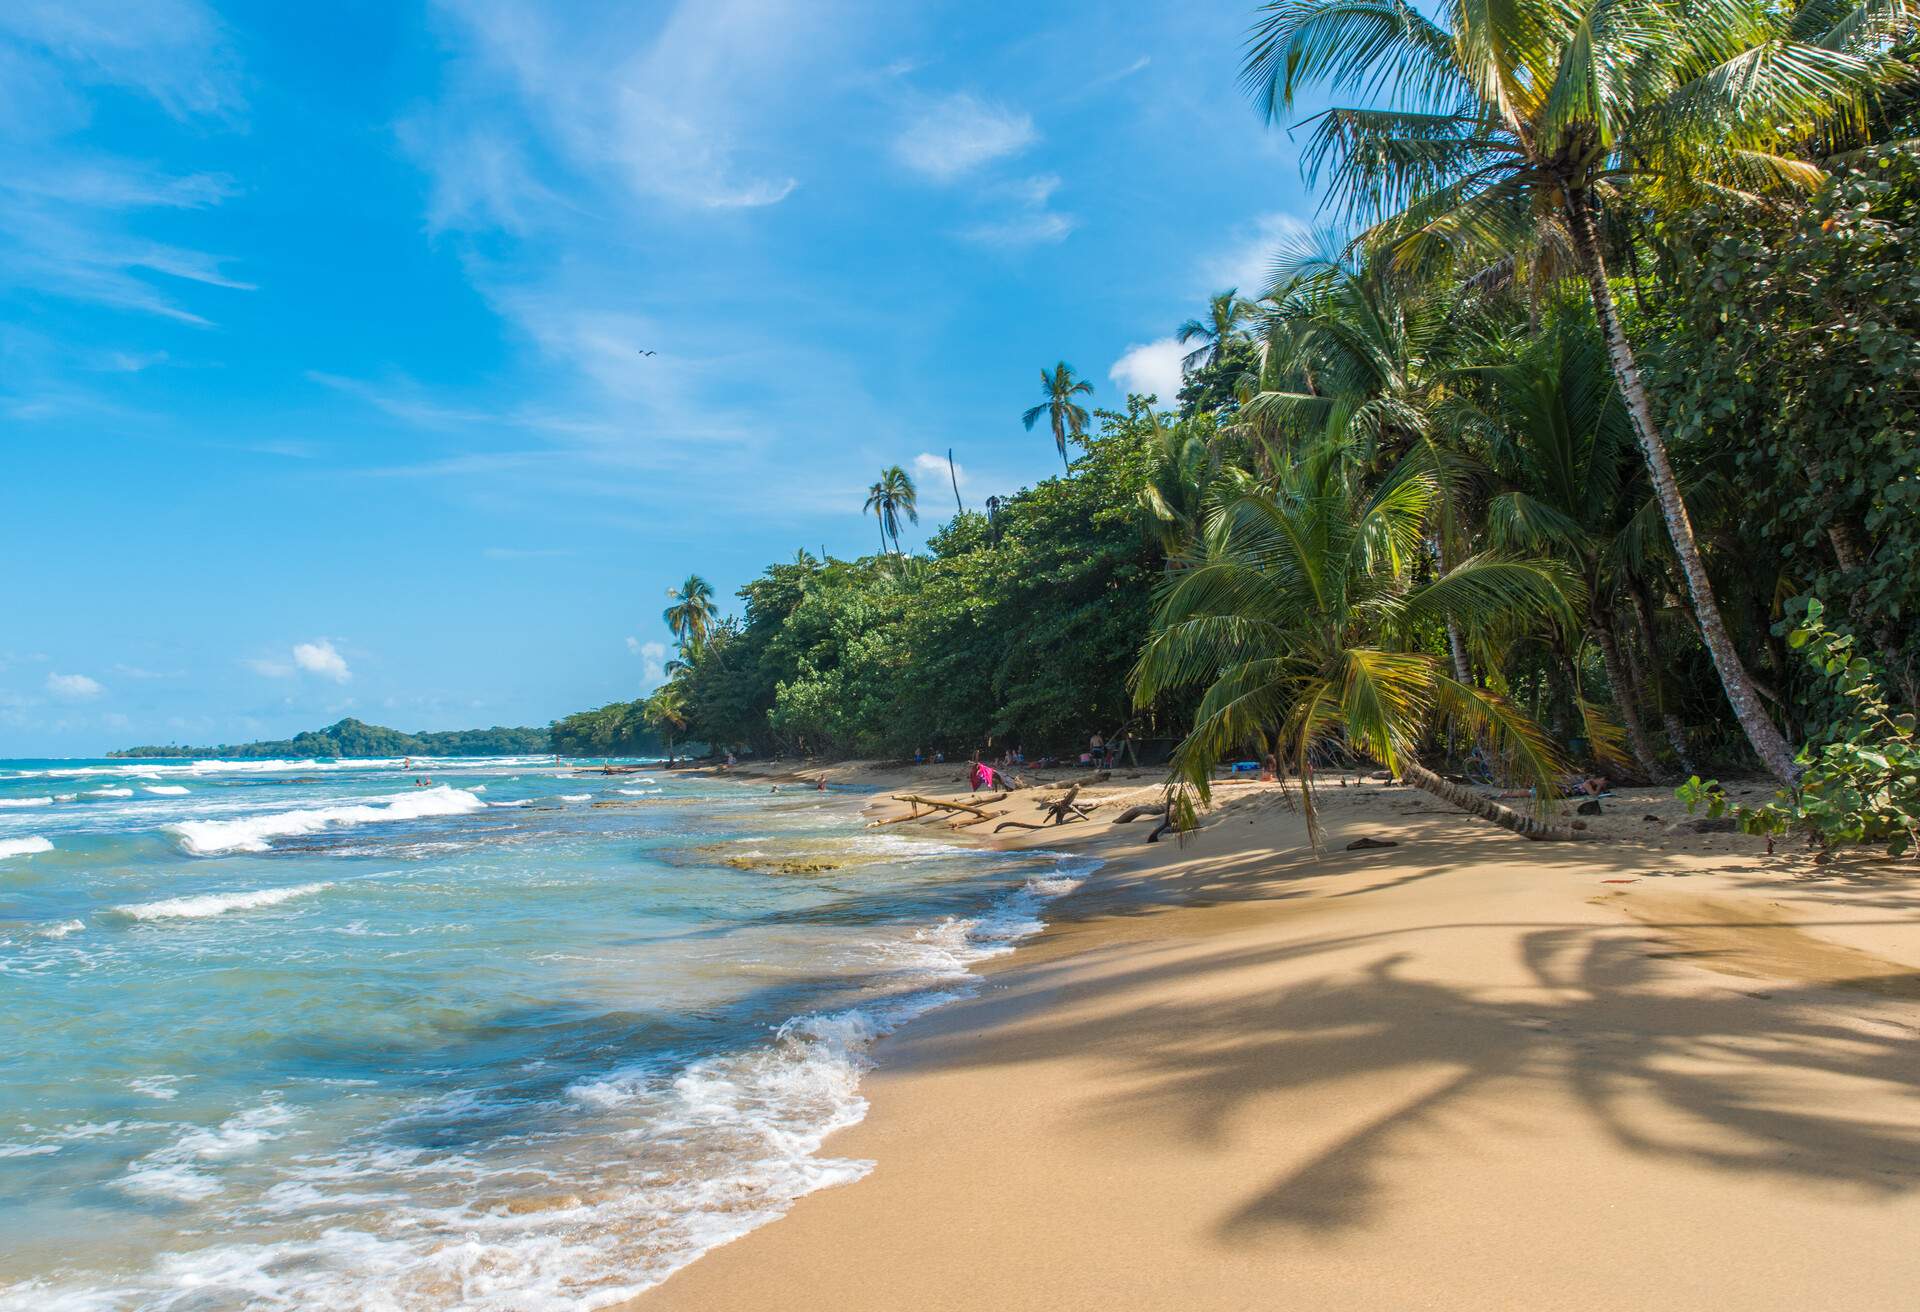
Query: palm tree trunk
[1625,699]
[1527,826]
[1461,669]
[1768,743]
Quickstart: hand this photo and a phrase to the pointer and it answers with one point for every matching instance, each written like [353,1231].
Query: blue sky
[320,384]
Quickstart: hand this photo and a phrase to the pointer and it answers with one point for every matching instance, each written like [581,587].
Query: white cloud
[1152,368]
[173,51]
[269,668]
[1031,223]
[929,465]
[1247,262]
[1022,230]
[320,658]
[653,659]
[67,234]
[675,110]
[73,687]
[958,134]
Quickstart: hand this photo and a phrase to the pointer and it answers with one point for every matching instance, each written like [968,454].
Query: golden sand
[1657,1070]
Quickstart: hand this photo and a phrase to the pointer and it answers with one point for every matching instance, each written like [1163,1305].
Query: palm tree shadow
[1715,1080]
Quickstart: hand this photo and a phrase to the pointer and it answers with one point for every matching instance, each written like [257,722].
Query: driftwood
[977,806]
[1063,811]
[1133,813]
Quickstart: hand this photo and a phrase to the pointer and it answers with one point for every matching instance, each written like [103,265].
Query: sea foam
[23,846]
[214,904]
[213,837]
[17,803]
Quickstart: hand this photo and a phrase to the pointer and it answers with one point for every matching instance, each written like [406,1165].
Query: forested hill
[353,738]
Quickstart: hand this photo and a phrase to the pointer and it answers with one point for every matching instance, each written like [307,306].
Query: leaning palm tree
[1068,419]
[1298,614]
[1228,313]
[889,500]
[692,614]
[1508,128]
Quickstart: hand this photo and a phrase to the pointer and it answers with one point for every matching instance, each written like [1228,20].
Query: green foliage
[1301,615]
[1017,629]
[351,739]
[1862,784]
[616,729]
[1794,348]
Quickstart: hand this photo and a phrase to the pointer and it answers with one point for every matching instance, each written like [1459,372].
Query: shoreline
[1465,1071]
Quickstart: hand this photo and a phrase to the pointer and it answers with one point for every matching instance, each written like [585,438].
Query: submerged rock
[792,866]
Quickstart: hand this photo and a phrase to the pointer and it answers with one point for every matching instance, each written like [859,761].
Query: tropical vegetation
[1592,402]
[349,739]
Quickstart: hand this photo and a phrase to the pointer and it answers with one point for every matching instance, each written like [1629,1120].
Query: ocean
[323,1034]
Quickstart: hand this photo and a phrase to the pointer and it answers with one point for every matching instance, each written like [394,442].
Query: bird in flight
[646,352]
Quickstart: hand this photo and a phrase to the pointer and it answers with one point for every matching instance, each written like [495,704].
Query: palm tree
[1068,419]
[891,498]
[1297,615]
[692,614]
[1510,127]
[1560,444]
[1227,312]
[666,712]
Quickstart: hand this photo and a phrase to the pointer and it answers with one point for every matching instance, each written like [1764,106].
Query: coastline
[1656,1070]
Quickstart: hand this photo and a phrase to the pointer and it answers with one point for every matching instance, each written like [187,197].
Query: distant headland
[353,738]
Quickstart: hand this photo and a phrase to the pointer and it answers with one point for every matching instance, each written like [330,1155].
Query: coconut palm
[1357,370]
[1509,123]
[1560,448]
[692,614]
[1297,614]
[1228,313]
[1068,419]
[666,713]
[889,500]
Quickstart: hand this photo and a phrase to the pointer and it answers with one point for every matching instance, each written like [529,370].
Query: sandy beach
[1659,1069]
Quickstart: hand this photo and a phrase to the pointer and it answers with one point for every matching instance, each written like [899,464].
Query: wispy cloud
[1021,230]
[72,227]
[1027,217]
[1246,260]
[665,110]
[173,51]
[957,134]
[74,687]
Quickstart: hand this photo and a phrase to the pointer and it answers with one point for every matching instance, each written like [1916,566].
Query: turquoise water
[308,1034]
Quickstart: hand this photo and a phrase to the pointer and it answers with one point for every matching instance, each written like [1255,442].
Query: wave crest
[213,837]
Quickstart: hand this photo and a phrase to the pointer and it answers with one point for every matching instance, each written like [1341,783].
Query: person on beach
[820,786]
[1097,750]
[980,776]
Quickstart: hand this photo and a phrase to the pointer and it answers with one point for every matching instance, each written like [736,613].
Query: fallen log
[977,808]
[1027,824]
[1133,813]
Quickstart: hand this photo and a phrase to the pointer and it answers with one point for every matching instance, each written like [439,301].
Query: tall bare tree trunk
[1527,826]
[1625,697]
[1650,693]
[1768,742]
